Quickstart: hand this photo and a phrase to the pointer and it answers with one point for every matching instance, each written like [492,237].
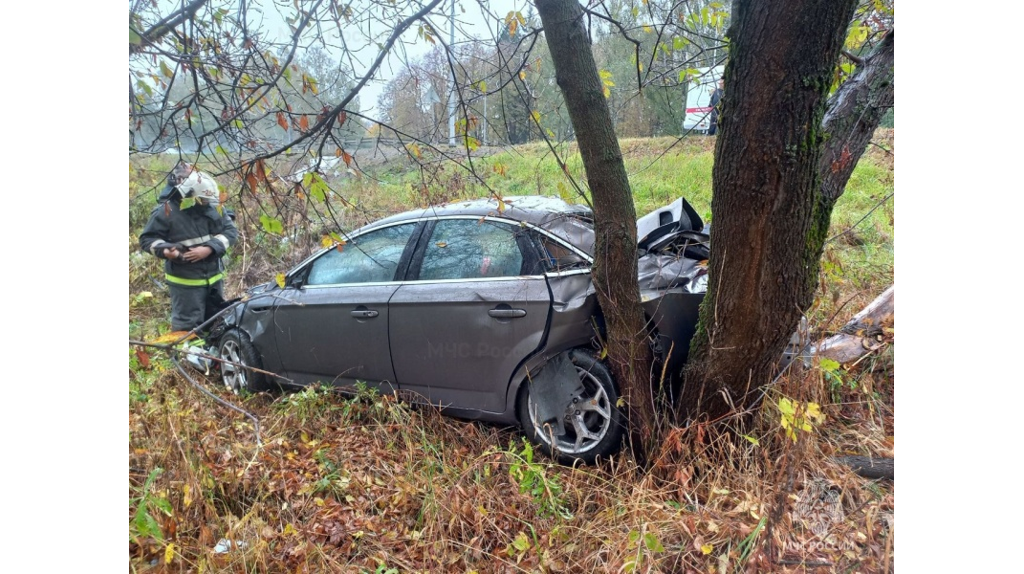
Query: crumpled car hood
[673,247]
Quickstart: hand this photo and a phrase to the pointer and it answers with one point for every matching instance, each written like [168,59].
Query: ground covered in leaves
[367,483]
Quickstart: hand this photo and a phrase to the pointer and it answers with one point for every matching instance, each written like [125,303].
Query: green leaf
[133,37]
[482,86]
[188,202]
[828,365]
[521,543]
[317,186]
[752,440]
[165,70]
[652,543]
[271,224]
[678,43]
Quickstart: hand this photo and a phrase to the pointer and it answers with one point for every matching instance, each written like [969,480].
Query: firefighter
[191,232]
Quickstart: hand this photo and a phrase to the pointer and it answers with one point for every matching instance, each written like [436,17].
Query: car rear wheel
[238,358]
[592,423]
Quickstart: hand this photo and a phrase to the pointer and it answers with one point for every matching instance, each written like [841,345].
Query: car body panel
[452,352]
[469,343]
[336,334]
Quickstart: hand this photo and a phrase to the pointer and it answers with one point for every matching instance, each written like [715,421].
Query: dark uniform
[716,98]
[197,291]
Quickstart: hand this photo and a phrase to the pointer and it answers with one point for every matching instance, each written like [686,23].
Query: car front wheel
[238,358]
[592,424]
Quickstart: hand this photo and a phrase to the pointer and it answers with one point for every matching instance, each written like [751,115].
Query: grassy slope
[357,484]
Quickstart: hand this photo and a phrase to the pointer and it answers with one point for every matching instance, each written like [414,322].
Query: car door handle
[364,314]
[507,313]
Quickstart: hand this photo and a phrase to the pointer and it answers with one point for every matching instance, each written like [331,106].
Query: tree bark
[869,467]
[853,115]
[615,254]
[765,242]
[861,334]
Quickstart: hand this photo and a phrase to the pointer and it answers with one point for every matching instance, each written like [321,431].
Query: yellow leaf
[326,241]
[522,75]
[707,549]
[187,495]
[304,436]
[169,553]
[171,337]
[280,280]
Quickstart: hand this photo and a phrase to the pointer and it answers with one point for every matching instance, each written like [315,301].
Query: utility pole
[451,92]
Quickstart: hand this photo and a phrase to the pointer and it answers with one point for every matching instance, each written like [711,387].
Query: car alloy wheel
[592,423]
[238,358]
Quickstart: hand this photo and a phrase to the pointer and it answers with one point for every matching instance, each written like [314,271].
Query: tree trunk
[615,255]
[765,242]
[853,115]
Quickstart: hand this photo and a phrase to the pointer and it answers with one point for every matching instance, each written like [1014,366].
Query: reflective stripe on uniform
[223,240]
[161,245]
[196,240]
[193,282]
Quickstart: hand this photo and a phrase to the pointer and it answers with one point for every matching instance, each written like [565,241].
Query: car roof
[536,209]
[569,222]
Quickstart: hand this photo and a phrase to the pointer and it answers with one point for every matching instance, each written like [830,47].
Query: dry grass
[370,484]
[349,484]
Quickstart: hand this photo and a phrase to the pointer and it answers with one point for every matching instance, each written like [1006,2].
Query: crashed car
[485,310]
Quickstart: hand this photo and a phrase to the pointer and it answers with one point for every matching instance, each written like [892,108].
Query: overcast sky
[474,18]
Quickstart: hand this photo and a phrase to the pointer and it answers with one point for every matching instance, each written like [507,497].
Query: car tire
[238,358]
[603,421]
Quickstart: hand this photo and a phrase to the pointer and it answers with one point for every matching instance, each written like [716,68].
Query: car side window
[558,257]
[471,249]
[371,257]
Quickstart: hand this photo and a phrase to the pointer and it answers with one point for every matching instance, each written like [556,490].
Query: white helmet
[201,186]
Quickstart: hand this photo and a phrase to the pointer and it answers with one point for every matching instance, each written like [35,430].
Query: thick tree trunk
[764,256]
[615,256]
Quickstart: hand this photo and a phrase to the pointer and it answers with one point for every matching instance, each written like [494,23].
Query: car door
[332,325]
[476,306]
